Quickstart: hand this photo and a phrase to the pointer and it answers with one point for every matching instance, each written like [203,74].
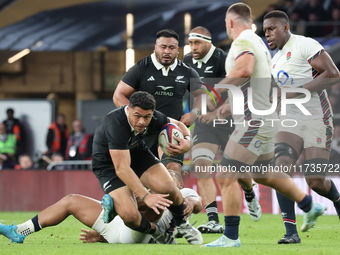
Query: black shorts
[140,162]
[208,134]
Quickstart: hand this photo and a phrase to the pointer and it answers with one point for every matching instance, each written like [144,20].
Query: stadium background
[77,56]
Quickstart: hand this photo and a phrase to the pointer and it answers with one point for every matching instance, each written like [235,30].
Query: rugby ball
[167,134]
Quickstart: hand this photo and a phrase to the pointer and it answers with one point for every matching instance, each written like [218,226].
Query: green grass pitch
[256,238]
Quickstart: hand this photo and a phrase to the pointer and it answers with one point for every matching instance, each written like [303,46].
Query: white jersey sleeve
[310,49]
[186,192]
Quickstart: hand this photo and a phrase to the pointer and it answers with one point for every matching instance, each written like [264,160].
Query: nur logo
[204,97]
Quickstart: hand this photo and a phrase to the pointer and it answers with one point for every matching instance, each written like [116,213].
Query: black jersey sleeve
[194,75]
[188,59]
[132,76]
[117,136]
[222,66]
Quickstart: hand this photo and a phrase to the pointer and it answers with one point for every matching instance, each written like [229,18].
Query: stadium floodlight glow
[129,24]
[186,49]
[18,55]
[130,58]
[187,23]
[253,27]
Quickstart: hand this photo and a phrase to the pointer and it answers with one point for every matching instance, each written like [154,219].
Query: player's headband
[199,37]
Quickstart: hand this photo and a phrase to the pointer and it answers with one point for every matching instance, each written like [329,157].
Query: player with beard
[209,62]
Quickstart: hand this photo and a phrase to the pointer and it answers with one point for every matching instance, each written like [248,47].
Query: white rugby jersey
[260,81]
[291,68]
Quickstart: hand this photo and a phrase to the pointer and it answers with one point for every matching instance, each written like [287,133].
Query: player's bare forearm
[121,160]
[185,130]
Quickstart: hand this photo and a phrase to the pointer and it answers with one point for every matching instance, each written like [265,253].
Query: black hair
[142,100]
[10,110]
[168,33]
[276,14]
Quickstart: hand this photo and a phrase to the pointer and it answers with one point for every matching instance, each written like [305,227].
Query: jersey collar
[205,59]
[289,42]
[127,117]
[160,66]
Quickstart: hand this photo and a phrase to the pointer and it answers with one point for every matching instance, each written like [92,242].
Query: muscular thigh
[85,209]
[124,201]
[158,179]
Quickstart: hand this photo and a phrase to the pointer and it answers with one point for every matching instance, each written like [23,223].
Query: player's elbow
[115,98]
[334,73]
[120,170]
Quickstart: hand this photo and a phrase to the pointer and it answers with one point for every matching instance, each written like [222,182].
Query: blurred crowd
[61,145]
[312,18]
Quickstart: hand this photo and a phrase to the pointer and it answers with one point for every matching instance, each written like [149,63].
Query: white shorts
[315,133]
[258,137]
[117,232]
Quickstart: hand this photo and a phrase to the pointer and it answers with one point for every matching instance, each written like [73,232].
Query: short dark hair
[10,110]
[276,14]
[168,33]
[143,100]
[241,9]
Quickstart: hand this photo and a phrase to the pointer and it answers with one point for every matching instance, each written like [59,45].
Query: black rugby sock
[288,213]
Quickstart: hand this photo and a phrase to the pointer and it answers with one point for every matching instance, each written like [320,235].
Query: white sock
[26,228]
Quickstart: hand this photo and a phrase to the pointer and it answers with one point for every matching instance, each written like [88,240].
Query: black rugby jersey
[115,133]
[168,90]
[212,65]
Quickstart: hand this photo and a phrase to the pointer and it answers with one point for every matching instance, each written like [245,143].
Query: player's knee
[67,201]
[285,154]
[225,182]
[131,219]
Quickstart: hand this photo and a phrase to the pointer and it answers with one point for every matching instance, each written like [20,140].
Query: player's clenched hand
[183,147]
[90,236]
[223,111]
[189,207]
[187,117]
[207,118]
[157,202]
